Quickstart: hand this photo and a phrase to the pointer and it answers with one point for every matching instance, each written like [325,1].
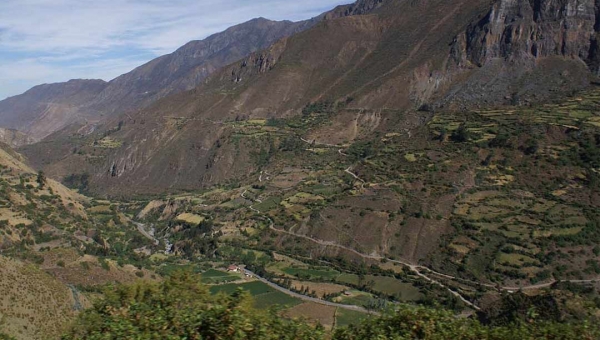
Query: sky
[48,41]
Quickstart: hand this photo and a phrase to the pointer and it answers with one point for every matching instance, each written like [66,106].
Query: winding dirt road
[412,267]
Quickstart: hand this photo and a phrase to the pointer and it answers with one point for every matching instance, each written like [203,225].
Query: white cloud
[50,40]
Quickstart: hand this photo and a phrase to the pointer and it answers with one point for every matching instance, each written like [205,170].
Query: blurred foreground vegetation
[181,308]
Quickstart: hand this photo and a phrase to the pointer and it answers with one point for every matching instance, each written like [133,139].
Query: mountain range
[425,152]
[373,55]
[49,108]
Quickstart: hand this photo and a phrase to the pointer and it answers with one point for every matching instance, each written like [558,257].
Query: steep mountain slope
[53,239]
[462,54]
[384,161]
[491,196]
[15,138]
[48,108]
[191,64]
[33,305]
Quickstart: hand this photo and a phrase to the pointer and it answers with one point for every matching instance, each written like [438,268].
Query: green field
[275,298]
[344,317]
[326,274]
[213,276]
[392,286]
[358,298]
[348,278]
[254,288]
[264,296]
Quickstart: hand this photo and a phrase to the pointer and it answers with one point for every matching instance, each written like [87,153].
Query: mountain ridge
[368,61]
[55,108]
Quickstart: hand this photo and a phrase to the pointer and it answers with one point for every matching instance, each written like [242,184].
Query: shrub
[461,134]
[181,308]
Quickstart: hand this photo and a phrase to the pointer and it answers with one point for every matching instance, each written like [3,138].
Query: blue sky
[47,41]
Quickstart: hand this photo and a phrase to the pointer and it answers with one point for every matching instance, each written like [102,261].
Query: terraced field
[497,197]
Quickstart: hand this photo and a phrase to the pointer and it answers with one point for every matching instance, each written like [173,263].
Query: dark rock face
[358,8]
[525,51]
[519,30]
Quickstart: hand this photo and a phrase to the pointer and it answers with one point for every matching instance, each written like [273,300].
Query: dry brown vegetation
[315,313]
[33,304]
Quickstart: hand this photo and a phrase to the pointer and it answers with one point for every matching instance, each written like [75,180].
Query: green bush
[423,323]
[180,308]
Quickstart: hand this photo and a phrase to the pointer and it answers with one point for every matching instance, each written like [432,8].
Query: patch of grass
[190,218]
[311,273]
[515,259]
[268,204]
[392,286]
[170,269]
[358,298]
[344,317]
[254,288]
[213,276]
[410,157]
[108,143]
[348,278]
[275,298]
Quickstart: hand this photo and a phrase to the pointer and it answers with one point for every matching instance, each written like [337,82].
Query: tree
[361,150]
[181,308]
[41,179]
[531,147]
[461,134]
[410,322]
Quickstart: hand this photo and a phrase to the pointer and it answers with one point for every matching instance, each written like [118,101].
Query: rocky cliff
[527,30]
[550,45]
[358,8]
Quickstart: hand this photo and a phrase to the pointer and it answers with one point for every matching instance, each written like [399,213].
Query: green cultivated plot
[264,296]
[254,288]
[326,274]
[213,276]
[345,317]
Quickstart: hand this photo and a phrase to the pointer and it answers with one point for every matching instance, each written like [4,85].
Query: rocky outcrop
[518,52]
[525,30]
[15,138]
[358,8]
